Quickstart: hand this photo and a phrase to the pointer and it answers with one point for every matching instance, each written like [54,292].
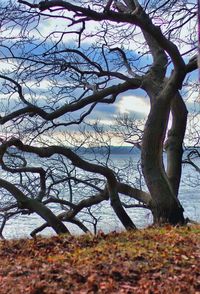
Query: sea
[21,226]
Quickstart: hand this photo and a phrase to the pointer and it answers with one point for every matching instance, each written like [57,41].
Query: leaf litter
[148,261]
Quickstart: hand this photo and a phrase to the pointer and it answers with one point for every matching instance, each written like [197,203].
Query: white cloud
[7,66]
[128,104]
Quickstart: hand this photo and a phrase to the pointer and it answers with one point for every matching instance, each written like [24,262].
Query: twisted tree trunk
[164,205]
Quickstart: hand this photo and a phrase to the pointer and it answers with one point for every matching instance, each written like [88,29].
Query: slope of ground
[164,260]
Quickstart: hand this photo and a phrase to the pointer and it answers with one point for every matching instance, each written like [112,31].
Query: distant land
[95,149]
[120,149]
[106,149]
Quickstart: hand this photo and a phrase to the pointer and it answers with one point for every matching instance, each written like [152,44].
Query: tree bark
[165,206]
[117,205]
[174,142]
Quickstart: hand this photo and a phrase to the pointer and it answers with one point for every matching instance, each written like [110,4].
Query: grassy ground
[165,260]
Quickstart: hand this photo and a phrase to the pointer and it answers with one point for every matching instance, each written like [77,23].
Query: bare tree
[61,61]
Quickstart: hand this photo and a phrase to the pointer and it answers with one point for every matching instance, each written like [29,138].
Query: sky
[132,103]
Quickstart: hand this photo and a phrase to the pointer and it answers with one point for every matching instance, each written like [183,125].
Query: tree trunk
[174,142]
[165,205]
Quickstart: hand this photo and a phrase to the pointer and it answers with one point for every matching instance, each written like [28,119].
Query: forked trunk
[165,206]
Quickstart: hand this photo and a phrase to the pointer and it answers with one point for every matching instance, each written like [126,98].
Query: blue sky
[132,103]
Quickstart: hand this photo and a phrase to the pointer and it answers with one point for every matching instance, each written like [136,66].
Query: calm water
[21,226]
